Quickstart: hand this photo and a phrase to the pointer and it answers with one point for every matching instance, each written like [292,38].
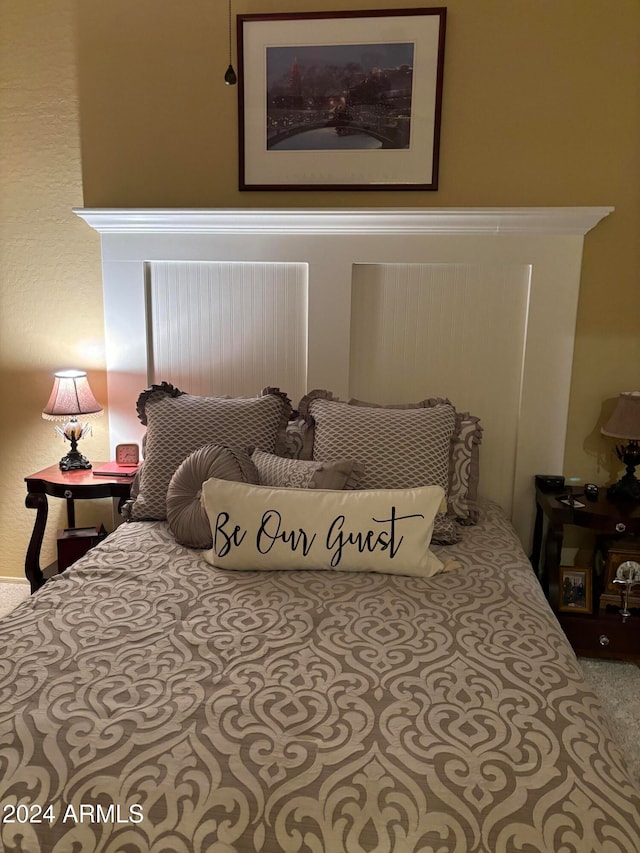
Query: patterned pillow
[302,474]
[186,514]
[464,468]
[299,437]
[178,424]
[399,448]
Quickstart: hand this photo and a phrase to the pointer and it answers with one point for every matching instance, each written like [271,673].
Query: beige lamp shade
[71,396]
[625,418]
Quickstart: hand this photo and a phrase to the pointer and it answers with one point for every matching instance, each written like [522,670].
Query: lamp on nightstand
[71,396]
[625,423]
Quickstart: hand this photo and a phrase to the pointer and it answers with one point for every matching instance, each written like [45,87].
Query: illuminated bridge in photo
[391,139]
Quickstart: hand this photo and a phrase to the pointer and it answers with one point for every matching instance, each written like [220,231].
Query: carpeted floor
[615,682]
[11,594]
[618,686]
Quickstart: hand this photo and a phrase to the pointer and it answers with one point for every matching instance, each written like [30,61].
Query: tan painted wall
[124,102]
[50,278]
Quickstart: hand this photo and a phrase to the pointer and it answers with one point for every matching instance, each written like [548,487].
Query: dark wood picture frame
[613,594]
[340,100]
[575,588]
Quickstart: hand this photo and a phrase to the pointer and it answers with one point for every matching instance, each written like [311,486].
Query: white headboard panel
[229,328]
[492,296]
[446,330]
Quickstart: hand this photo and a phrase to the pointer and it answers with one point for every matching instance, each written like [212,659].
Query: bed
[153,701]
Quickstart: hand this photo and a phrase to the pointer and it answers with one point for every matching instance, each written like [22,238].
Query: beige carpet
[11,594]
[616,683]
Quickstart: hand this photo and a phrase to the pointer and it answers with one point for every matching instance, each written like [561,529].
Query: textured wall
[124,102]
[50,284]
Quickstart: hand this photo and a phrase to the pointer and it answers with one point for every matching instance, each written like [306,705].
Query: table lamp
[71,396]
[625,423]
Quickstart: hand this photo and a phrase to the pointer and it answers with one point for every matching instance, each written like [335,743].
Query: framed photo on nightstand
[615,555]
[575,590]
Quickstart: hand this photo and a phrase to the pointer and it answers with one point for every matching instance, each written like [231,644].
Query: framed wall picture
[575,589]
[340,100]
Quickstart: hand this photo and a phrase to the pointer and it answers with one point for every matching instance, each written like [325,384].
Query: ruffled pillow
[178,423]
[399,448]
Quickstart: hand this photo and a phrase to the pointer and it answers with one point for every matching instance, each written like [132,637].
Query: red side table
[71,485]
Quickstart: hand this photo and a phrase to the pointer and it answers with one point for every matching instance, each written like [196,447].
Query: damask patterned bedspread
[151,703]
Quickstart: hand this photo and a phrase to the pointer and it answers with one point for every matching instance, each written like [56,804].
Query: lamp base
[626,489]
[74,461]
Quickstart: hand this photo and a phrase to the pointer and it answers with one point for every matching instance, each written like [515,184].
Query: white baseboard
[4,579]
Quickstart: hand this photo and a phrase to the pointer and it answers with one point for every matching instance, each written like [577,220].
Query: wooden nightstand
[598,633]
[71,485]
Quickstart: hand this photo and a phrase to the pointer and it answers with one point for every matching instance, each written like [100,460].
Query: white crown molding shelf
[399,221]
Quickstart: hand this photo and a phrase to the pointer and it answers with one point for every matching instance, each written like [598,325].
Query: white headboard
[385,305]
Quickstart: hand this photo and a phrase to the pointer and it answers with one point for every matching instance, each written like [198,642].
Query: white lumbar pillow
[374,530]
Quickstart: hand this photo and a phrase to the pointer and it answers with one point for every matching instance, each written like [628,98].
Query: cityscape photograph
[323,97]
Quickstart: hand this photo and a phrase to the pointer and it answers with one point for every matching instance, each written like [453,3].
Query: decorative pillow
[186,514]
[463,459]
[302,474]
[399,448]
[299,437]
[265,528]
[464,469]
[178,424]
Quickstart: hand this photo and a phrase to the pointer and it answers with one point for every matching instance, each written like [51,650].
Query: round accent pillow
[186,514]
